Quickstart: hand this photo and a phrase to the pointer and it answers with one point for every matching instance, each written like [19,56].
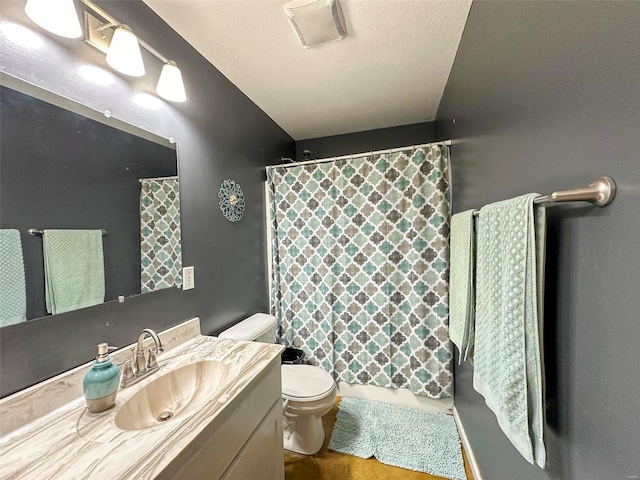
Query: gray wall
[546,95]
[366,141]
[220,133]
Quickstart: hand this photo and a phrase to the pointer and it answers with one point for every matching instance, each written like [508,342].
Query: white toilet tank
[259,327]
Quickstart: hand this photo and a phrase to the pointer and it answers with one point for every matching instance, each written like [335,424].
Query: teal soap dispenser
[100,384]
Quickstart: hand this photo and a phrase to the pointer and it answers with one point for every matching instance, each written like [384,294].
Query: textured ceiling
[391,69]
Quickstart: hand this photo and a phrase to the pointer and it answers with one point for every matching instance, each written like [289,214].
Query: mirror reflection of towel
[13,294]
[73,269]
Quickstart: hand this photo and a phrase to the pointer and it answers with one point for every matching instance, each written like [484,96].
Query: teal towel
[508,353]
[461,294]
[73,269]
[13,293]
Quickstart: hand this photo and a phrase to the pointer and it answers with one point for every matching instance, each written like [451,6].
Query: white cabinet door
[263,454]
[262,457]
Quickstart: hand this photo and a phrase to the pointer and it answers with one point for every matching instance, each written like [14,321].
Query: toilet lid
[305,382]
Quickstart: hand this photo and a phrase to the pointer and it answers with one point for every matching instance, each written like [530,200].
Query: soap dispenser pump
[100,384]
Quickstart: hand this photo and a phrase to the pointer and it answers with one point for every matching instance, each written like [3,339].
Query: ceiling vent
[316,21]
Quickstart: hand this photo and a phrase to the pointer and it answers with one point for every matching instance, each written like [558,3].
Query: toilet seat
[305,383]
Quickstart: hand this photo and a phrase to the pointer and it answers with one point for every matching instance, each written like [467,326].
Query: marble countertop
[48,432]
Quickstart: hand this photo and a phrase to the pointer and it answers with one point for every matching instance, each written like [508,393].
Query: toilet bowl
[308,392]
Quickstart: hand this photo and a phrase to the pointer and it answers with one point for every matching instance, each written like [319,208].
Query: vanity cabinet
[245,440]
[262,456]
[234,431]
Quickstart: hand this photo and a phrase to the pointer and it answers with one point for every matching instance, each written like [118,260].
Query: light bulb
[124,52]
[170,85]
[56,16]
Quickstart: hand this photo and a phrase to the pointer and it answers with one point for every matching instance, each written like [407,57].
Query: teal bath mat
[399,436]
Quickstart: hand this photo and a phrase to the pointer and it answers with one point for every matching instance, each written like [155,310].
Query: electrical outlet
[188,278]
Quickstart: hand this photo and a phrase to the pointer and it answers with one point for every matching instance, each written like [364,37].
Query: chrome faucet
[144,366]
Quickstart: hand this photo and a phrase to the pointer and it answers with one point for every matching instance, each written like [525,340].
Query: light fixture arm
[106,25]
[112,22]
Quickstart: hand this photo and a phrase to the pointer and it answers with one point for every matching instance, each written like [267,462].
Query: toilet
[308,392]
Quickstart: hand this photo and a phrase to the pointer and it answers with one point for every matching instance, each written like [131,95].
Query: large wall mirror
[64,166]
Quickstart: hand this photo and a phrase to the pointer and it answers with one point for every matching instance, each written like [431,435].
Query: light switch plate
[188,278]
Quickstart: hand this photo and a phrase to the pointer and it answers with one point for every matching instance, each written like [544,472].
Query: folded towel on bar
[13,292]
[508,351]
[461,294]
[73,269]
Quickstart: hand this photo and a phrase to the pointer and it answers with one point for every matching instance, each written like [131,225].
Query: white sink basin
[177,393]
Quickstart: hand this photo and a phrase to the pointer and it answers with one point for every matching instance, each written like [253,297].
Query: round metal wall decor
[231,200]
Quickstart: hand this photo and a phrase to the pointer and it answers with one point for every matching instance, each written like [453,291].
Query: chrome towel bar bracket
[601,193]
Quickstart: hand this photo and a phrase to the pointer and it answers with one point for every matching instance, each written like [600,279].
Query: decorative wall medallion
[231,199]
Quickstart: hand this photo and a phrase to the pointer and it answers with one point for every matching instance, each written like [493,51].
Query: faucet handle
[127,374]
[151,360]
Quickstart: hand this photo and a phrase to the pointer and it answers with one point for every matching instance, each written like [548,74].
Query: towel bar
[34,232]
[600,193]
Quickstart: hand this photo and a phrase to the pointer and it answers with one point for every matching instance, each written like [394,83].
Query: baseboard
[467,446]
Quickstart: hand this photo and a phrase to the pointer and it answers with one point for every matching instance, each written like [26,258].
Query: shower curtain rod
[600,193]
[175,177]
[358,155]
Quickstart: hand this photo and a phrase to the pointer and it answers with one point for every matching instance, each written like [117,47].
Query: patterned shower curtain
[160,234]
[360,267]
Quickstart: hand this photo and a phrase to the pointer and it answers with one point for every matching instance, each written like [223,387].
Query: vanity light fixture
[110,36]
[170,84]
[56,16]
[124,52]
